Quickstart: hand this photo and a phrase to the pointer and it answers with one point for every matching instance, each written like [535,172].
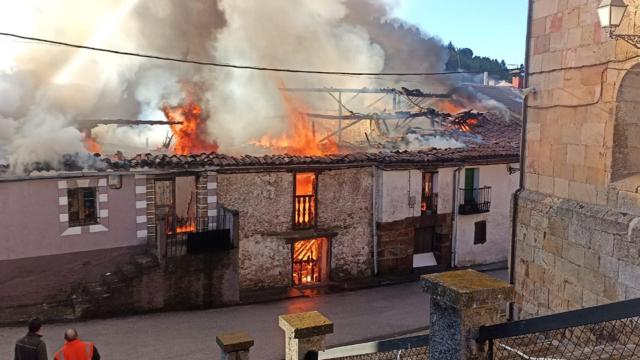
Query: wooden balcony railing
[305,211]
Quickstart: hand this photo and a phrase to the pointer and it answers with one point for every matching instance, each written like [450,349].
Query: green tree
[464,59]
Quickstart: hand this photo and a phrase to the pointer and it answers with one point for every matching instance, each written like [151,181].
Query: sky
[493,28]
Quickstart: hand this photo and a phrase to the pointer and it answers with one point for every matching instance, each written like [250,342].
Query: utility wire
[233,66]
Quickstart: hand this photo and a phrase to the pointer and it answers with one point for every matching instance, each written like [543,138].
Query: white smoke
[288,34]
[422,142]
[47,89]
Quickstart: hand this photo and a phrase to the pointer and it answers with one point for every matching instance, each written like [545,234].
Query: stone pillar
[461,302]
[304,332]
[234,345]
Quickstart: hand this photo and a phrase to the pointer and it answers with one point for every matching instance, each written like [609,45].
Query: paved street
[358,315]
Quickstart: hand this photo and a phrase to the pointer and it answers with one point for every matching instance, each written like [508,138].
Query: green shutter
[469,184]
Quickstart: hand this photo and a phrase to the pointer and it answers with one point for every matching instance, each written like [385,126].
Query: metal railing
[407,348]
[474,200]
[304,211]
[191,234]
[609,331]
[429,204]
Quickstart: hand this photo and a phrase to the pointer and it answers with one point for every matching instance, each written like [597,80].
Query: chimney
[485,80]
[517,79]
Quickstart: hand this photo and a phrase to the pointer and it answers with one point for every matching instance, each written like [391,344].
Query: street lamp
[610,14]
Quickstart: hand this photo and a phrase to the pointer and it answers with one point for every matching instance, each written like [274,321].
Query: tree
[464,59]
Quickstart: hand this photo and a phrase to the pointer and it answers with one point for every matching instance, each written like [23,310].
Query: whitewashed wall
[397,187]
[498,219]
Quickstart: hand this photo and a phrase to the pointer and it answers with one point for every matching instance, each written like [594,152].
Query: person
[31,346]
[76,349]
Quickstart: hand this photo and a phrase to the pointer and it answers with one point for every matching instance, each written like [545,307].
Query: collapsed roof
[491,139]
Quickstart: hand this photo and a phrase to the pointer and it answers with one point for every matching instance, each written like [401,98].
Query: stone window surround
[102,197]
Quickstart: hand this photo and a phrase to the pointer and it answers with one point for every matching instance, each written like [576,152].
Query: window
[115,181]
[304,209]
[480,234]
[82,206]
[429,201]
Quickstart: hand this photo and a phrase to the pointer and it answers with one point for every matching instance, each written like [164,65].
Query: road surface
[358,316]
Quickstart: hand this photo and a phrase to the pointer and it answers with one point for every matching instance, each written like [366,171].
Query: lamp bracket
[630,38]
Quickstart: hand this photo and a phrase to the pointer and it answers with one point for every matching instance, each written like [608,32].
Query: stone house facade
[173,232]
[577,240]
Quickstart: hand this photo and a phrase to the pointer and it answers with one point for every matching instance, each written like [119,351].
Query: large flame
[91,144]
[300,137]
[188,136]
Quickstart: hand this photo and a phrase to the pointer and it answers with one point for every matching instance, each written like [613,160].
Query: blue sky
[493,28]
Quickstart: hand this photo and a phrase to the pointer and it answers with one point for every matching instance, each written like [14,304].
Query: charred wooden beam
[402,91]
[92,123]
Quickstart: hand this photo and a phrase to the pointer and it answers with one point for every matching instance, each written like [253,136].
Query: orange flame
[448,107]
[91,144]
[300,136]
[189,135]
[188,227]
[464,124]
[306,261]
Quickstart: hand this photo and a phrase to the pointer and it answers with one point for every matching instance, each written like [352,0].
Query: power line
[234,66]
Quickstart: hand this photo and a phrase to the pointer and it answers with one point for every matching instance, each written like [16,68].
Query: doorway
[175,206]
[310,260]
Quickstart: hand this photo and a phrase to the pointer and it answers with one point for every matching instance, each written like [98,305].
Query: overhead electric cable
[235,66]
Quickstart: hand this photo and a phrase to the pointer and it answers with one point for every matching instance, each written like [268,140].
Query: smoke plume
[47,90]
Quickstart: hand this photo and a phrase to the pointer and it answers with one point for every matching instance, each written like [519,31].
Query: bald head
[70,334]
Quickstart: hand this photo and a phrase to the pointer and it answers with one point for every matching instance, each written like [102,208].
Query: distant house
[162,232]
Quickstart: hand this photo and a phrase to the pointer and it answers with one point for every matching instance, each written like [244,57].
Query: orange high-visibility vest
[75,350]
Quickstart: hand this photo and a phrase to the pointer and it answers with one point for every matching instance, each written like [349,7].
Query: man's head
[70,334]
[35,325]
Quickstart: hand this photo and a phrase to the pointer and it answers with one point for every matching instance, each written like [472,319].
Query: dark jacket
[30,347]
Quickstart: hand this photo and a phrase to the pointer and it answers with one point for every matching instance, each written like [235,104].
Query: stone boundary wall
[571,254]
[396,242]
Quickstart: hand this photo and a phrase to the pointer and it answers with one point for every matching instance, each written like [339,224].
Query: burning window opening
[429,201]
[83,209]
[310,261]
[305,200]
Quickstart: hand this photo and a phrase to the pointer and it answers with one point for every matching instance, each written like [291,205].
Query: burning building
[254,185]
[226,226]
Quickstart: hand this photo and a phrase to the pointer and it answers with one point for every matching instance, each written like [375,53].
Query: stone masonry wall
[345,206]
[576,241]
[572,255]
[570,118]
[395,246]
[264,202]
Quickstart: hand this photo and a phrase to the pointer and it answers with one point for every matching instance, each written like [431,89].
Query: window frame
[78,194]
[480,232]
[315,200]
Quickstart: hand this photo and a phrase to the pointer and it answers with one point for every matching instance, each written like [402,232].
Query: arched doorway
[626,132]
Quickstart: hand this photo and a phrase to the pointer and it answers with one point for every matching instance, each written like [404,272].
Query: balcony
[304,216]
[429,204]
[474,200]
